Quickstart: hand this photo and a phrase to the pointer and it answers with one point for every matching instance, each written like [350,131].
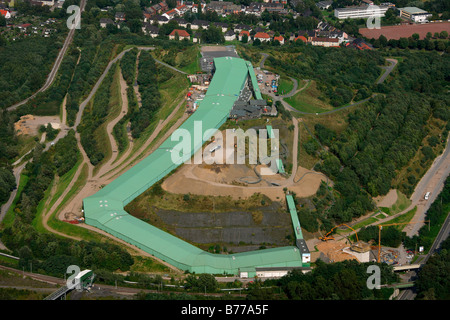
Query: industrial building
[360,12]
[414,14]
[105,209]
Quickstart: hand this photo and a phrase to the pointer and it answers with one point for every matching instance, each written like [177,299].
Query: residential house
[105,21]
[302,38]
[273,7]
[240,27]
[159,19]
[230,35]
[182,34]
[150,30]
[325,42]
[120,16]
[6,14]
[221,25]
[196,38]
[280,39]
[181,9]
[262,36]
[323,5]
[197,24]
[170,14]
[254,8]
[181,22]
[360,44]
[242,33]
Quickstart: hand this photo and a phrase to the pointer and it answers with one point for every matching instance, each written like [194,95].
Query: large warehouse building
[105,209]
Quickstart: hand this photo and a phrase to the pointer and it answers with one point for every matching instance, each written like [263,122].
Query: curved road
[294,91]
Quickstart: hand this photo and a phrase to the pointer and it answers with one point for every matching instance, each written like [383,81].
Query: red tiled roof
[244,32]
[301,38]
[262,35]
[181,33]
[3,12]
[279,38]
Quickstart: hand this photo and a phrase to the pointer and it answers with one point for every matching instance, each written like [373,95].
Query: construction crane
[392,224]
[327,237]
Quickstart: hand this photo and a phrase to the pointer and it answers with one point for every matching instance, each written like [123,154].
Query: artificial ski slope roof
[104,209]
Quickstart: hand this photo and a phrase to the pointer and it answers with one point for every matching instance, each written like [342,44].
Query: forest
[340,73]
[94,116]
[150,96]
[24,66]
[344,280]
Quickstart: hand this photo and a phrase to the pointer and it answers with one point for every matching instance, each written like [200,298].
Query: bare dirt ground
[29,124]
[387,200]
[226,180]
[334,250]
[405,31]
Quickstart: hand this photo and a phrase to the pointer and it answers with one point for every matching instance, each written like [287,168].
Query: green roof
[294,216]
[104,209]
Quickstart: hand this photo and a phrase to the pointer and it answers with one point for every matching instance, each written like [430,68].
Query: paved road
[388,70]
[55,68]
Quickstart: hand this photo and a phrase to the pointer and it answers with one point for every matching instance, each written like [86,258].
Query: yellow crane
[388,225]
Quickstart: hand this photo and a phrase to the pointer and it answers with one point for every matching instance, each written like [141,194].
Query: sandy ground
[29,124]
[387,200]
[334,250]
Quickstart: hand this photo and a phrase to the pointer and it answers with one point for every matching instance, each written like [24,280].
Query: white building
[414,14]
[360,12]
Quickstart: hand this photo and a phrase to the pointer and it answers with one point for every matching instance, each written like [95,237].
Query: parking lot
[267,81]
[211,52]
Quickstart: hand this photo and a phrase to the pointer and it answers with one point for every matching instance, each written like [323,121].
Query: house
[197,24]
[240,27]
[323,5]
[273,7]
[196,38]
[262,36]
[181,22]
[6,14]
[360,44]
[105,21]
[221,25]
[242,33]
[280,39]
[150,30]
[230,35]
[302,38]
[170,14]
[195,7]
[147,16]
[159,19]
[182,34]
[119,16]
[181,9]
[218,6]
[325,42]
[254,8]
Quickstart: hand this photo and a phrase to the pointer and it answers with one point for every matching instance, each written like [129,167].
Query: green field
[308,100]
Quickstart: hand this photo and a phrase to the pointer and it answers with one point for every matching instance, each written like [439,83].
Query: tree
[443,35]
[415,36]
